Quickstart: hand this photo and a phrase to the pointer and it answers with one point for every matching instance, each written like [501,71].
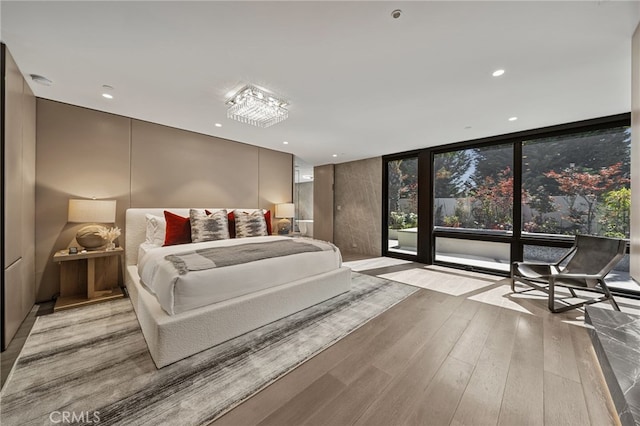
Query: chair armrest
[580,276]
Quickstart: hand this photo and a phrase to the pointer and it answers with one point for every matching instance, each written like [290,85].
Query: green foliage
[452,221]
[617,208]
[587,150]
[586,186]
[542,225]
[492,202]
[490,162]
[395,183]
[449,170]
[411,220]
[396,220]
[400,220]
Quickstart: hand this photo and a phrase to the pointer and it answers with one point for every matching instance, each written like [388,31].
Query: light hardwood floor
[462,351]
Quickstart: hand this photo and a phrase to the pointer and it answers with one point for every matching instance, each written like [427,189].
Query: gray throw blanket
[217,257]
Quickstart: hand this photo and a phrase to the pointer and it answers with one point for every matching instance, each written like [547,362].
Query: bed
[182,317]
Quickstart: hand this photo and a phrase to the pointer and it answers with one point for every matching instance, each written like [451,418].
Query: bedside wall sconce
[285,211]
[93,212]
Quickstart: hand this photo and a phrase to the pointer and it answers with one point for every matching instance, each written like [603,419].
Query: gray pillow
[212,227]
[250,224]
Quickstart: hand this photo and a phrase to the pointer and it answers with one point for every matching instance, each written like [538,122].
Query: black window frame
[426,232]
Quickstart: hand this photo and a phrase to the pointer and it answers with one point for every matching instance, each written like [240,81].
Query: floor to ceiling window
[577,184]
[473,195]
[514,197]
[402,205]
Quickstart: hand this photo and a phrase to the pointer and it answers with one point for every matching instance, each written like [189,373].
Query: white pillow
[156,229]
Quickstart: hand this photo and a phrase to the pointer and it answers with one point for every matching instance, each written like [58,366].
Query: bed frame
[174,337]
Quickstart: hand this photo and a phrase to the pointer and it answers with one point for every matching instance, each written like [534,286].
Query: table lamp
[284,212]
[93,212]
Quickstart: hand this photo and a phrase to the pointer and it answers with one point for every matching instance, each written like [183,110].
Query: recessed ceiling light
[107,91]
[218,125]
[513,118]
[40,79]
[334,155]
[497,73]
[396,14]
[285,143]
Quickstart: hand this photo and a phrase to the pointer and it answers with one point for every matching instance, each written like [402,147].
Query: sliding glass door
[473,206]
[402,206]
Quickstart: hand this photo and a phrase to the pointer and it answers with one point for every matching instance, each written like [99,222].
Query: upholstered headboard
[136,227]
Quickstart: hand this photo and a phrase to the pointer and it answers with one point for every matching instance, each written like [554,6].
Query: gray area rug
[92,364]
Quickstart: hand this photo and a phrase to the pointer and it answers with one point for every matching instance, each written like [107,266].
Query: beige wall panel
[13,161]
[276,180]
[81,153]
[323,202]
[176,168]
[28,199]
[19,215]
[358,212]
[635,157]
[304,194]
[84,153]
[13,312]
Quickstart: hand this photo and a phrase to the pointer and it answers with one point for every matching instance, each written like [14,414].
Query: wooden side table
[88,277]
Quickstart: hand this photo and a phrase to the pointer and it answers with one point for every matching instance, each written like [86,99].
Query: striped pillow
[250,224]
[208,227]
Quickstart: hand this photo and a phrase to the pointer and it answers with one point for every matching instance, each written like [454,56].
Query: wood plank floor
[462,351]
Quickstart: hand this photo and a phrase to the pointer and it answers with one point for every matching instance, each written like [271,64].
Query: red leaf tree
[492,202]
[586,185]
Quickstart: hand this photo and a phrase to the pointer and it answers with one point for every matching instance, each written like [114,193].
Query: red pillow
[178,229]
[232,223]
[267,218]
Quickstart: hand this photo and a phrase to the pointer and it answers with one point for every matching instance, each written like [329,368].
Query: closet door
[18,198]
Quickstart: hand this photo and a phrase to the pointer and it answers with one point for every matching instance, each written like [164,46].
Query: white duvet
[179,293]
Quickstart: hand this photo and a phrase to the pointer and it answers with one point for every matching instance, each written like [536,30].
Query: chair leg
[613,303]
[552,295]
[573,293]
[608,294]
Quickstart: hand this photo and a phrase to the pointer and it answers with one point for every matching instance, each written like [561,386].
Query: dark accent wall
[84,153]
[358,207]
[323,202]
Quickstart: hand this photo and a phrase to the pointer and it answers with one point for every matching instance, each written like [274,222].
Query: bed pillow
[155,229]
[207,226]
[250,224]
[267,219]
[178,229]
[232,222]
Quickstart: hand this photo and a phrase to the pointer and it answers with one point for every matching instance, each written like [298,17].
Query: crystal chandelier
[257,107]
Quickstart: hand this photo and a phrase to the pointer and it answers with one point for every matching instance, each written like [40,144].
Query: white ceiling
[360,83]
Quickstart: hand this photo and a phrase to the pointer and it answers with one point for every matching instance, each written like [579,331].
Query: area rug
[92,364]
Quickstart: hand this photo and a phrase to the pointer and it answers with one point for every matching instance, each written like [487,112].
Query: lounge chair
[589,261]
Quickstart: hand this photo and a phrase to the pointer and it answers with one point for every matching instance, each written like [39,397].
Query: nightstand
[88,277]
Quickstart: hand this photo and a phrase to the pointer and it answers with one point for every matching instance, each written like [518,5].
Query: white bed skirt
[173,337]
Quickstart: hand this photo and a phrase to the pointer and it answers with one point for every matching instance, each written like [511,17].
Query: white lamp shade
[95,211]
[285,210]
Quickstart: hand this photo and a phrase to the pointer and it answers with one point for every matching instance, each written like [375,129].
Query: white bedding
[179,293]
